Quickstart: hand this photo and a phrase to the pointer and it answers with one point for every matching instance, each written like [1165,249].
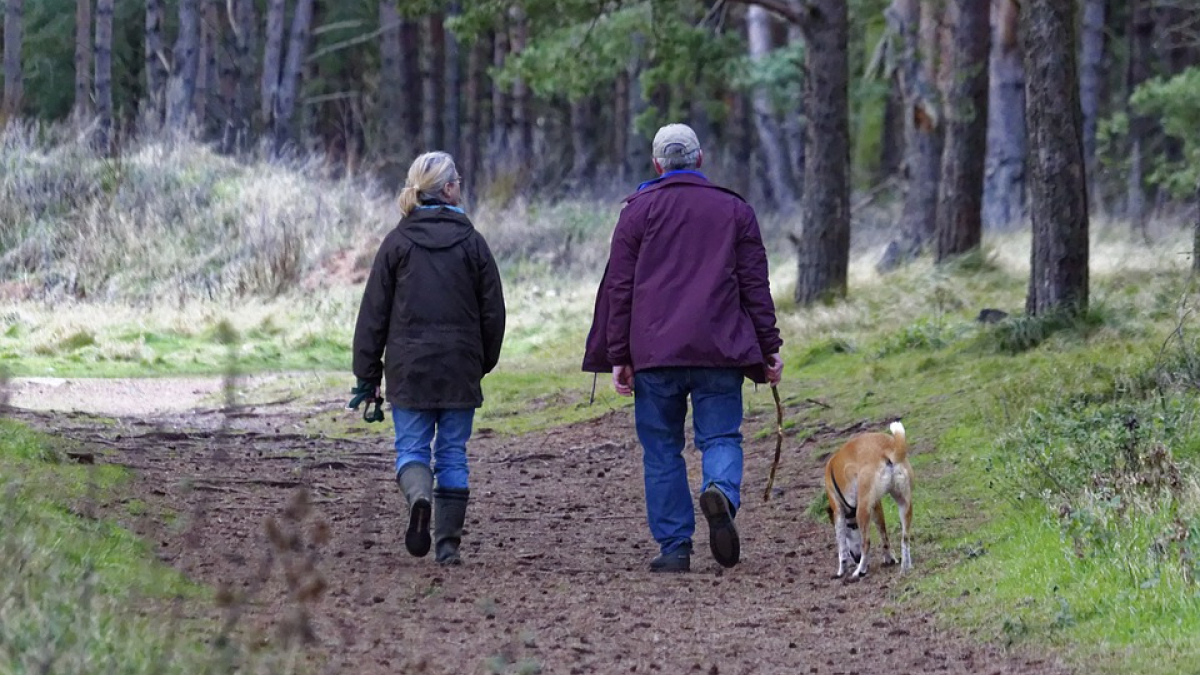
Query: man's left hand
[623,380]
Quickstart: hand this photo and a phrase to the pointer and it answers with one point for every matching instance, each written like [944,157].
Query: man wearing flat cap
[685,309]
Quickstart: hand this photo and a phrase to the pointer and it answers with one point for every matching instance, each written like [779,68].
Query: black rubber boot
[416,482]
[449,514]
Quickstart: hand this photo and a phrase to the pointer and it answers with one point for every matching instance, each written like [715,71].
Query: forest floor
[300,532]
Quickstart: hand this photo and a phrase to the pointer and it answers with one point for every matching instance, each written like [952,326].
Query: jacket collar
[676,178]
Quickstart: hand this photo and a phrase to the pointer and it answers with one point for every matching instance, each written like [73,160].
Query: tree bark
[290,77]
[770,137]
[1141,52]
[793,129]
[583,147]
[185,66]
[432,78]
[501,103]
[83,59]
[620,126]
[960,193]
[1091,85]
[207,68]
[452,109]
[391,92]
[1058,279]
[637,146]
[823,254]
[103,77]
[156,63]
[14,15]
[410,82]
[241,42]
[1004,183]
[476,61]
[522,114]
[922,125]
[272,60]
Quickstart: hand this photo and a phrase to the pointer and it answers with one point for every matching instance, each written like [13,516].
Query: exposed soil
[556,549]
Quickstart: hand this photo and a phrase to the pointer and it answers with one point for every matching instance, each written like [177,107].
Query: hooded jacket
[433,311]
[686,283]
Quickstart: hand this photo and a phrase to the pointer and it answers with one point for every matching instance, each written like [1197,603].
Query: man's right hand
[774,369]
[623,380]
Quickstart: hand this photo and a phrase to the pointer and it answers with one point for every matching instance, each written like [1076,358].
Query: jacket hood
[436,228]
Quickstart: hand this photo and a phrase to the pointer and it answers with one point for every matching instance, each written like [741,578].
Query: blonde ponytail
[427,177]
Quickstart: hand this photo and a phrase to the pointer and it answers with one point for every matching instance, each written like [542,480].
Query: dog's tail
[900,446]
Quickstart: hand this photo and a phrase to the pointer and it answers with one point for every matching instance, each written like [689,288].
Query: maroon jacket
[686,283]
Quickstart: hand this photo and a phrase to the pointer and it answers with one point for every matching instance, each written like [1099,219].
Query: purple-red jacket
[686,283]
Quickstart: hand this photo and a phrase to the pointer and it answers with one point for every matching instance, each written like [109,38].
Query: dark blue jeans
[415,434]
[660,410]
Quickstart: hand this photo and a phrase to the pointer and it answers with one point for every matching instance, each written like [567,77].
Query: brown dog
[857,477]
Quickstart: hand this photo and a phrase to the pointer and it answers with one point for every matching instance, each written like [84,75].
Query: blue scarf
[670,173]
[441,206]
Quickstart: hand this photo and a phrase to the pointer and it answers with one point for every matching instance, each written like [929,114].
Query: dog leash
[778,442]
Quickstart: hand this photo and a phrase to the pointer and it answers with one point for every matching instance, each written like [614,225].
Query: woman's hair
[427,177]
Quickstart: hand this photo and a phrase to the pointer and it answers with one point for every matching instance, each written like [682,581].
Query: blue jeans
[660,409]
[414,434]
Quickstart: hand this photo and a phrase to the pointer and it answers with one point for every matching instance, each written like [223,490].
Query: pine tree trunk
[1004,184]
[207,68]
[620,126]
[83,59]
[476,62]
[1141,46]
[793,129]
[1058,279]
[770,138]
[891,151]
[501,105]
[923,126]
[583,147]
[432,78]
[185,66]
[290,77]
[960,193]
[824,242]
[156,63]
[452,108]
[392,131]
[14,15]
[1091,85]
[637,146]
[272,60]
[410,83]
[521,104]
[103,78]
[240,91]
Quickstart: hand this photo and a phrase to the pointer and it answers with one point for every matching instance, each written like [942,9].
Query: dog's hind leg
[881,525]
[864,524]
[839,531]
[905,525]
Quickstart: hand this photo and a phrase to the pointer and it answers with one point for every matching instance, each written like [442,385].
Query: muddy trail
[302,535]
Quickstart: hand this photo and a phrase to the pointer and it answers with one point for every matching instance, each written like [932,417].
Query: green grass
[80,594]
[992,556]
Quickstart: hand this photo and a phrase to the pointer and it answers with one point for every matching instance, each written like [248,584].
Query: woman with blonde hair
[432,322]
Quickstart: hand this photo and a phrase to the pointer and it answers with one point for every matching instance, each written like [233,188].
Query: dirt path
[556,549]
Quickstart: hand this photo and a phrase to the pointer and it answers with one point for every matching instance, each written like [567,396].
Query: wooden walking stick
[778,442]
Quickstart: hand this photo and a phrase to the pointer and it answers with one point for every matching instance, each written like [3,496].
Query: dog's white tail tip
[897,428]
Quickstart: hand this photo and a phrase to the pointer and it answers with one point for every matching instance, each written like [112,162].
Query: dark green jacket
[433,308]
